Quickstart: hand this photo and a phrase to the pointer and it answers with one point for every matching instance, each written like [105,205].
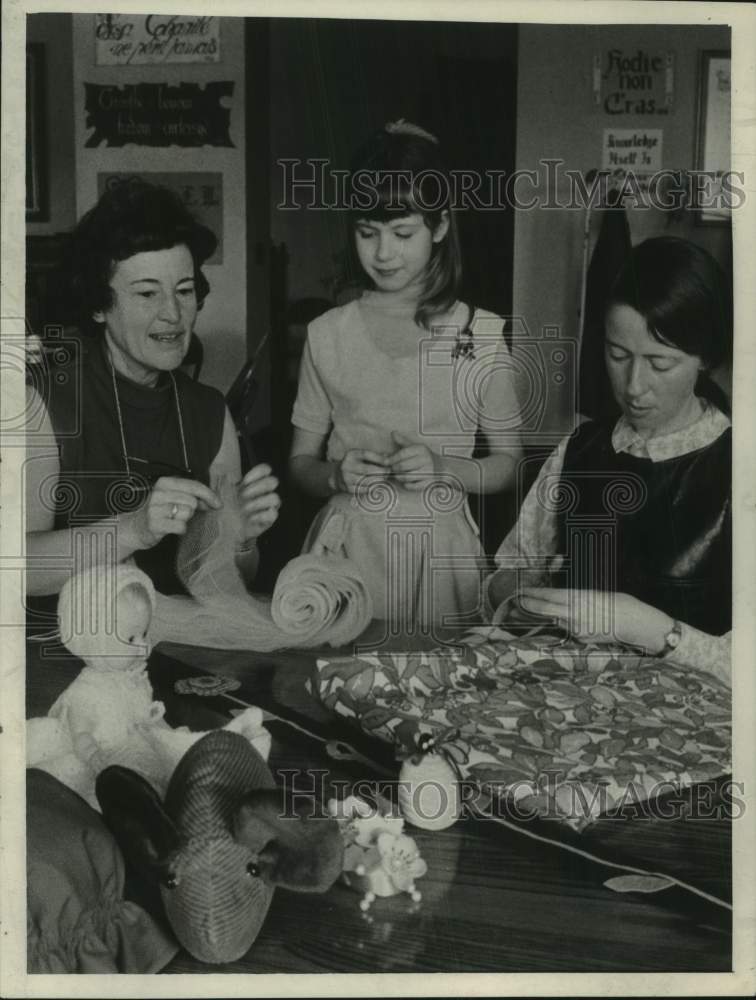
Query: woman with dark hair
[632,522]
[393,388]
[135,439]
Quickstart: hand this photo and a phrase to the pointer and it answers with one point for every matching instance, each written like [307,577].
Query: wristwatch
[671,640]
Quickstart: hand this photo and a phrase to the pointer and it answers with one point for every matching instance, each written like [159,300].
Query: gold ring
[174,511]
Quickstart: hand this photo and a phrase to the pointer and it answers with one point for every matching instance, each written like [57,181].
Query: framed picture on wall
[713,136]
[37,194]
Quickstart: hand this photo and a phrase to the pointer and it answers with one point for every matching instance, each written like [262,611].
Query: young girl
[393,389]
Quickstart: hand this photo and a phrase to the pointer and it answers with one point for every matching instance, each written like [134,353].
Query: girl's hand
[413,465]
[170,505]
[355,466]
[258,500]
[600,617]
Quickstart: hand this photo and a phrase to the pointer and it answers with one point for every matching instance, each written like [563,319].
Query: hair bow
[403,127]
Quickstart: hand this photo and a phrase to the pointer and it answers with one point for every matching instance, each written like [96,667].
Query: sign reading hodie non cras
[158,114]
[147,39]
[634,82]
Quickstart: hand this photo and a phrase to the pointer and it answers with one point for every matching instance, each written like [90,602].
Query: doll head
[132,619]
[104,616]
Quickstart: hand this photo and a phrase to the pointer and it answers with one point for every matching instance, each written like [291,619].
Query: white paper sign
[149,39]
[632,149]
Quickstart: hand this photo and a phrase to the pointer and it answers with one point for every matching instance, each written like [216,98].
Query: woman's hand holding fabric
[413,465]
[600,617]
[169,506]
[259,502]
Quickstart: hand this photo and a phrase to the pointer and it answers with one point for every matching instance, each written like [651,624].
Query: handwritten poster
[632,149]
[158,114]
[634,82]
[202,193]
[154,39]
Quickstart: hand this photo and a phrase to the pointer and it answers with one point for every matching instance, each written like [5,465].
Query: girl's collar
[404,301]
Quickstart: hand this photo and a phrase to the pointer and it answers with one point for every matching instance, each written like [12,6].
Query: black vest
[93,482]
[661,531]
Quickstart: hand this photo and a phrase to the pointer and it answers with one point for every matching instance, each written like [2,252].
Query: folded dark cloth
[77,918]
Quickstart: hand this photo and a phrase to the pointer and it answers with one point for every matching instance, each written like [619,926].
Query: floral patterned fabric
[566,730]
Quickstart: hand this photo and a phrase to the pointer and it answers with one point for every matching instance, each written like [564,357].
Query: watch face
[673,638]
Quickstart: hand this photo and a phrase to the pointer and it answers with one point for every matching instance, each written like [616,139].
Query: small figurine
[108,715]
[379,858]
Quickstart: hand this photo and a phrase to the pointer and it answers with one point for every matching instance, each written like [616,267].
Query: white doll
[108,714]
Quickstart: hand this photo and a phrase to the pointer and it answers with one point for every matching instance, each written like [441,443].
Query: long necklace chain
[119,414]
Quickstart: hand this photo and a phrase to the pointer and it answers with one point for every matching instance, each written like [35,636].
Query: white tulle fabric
[318,599]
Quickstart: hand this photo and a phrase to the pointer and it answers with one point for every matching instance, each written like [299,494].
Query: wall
[222,323]
[54,32]
[556,118]
[334,82]
[314,113]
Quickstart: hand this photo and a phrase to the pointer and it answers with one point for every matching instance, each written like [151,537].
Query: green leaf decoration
[638,883]
[376,717]
[343,669]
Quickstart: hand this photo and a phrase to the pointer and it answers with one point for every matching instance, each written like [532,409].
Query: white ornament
[429,794]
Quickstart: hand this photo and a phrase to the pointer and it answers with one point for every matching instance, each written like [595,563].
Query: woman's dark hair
[131,217]
[399,172]
[685,299]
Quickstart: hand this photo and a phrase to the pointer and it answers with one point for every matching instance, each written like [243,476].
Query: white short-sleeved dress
[418,551]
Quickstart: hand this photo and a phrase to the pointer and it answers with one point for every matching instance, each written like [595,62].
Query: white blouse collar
[709,426]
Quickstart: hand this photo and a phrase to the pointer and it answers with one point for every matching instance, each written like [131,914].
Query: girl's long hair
[399,172]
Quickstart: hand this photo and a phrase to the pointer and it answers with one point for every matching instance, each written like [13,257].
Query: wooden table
[494,899]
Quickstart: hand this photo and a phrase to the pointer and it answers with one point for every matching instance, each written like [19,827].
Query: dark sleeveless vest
[93,482]
[661,531]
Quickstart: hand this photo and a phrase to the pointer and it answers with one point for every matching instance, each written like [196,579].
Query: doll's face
[131,644]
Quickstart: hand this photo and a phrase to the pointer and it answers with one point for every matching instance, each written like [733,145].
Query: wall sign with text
[202,193]
[632,148]
[148,39]
[636,82]
[158,114]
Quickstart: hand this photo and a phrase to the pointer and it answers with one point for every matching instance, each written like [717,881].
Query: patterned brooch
[464,346]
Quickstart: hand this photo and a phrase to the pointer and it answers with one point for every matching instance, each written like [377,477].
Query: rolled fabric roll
[318,600]
[321,599]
